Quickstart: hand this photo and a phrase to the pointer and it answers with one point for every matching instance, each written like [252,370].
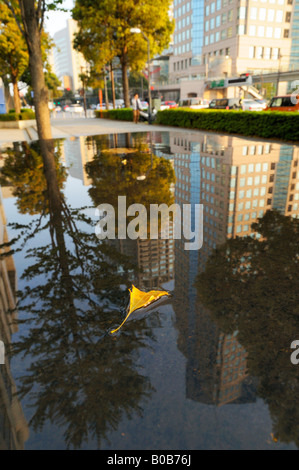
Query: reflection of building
[13,426]
[237,180]
[77,152]
[212,375]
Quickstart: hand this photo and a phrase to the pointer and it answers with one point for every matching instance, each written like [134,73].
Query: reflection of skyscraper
[240,179]
[78,151]
[216,363]
[13,426]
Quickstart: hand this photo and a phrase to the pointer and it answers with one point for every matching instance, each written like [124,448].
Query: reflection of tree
[252,285]
[23,170]
[122,167]
[80,376]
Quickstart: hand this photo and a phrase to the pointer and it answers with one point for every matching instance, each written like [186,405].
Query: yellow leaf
[139,299]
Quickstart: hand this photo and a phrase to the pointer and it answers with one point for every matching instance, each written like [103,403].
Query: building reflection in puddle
[13,426]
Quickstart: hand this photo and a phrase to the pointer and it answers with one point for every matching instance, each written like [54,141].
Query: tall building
[214,39]
[68,61]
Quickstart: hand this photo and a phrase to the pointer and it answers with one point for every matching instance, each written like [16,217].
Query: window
[279,16]
[286,33]
[261,31]
[174,67]
[253,13]
[275,53]
[271,14]
[230,32]
[269,32]
[277,33]
[218,21]
[288,17]
[252,30]
[241,29]
[207,25]
[230,15]
[242,13]
[267,53]
[259,52]
[251,52]
[262,14]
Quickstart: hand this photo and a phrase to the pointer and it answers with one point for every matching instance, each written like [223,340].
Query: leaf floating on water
[139,299]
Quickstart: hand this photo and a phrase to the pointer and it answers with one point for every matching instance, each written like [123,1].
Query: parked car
[252,105]
[262,102]
[104,106]
[225,103]
[74,108]
[284,103]
[171,104]
[164,106]
[194,103]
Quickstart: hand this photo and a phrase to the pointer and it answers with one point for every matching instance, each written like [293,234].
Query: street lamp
[138,31]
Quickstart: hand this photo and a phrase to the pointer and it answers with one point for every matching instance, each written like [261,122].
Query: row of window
[269,15]
[263,31]
[181,64]
[182,49]
[181,10]
[260,52]
[185,35]
[183,23]
[219,20]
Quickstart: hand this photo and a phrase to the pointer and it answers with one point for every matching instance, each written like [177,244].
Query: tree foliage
[104,32]
[14,56]
[251,286]
[73,292]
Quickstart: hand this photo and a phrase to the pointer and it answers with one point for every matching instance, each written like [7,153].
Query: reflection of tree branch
[79,376]
[252,286]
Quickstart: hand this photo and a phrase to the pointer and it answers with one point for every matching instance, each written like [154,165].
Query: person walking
[136,104]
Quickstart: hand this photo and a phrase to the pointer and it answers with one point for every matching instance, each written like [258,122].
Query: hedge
[22,116]
[124,114]
[266,124]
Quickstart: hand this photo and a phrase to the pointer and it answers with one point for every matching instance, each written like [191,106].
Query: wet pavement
[208,367]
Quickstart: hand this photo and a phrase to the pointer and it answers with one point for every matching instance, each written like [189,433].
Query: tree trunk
[106,90]
[16,96]
[40,99]
[124,69]
[112,85]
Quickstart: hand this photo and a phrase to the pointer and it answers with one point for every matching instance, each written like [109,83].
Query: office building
[215,39]
[68,63]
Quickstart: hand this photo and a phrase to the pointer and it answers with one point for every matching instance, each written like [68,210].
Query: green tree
[13,52]
[104,32]
[79,377]
[251,285]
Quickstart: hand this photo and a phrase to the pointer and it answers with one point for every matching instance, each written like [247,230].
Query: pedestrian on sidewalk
[136,104]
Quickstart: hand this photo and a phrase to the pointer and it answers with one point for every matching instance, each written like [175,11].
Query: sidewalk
[62,128]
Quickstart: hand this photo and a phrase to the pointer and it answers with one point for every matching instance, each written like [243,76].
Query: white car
[252,105]
[74,108]
[164,106]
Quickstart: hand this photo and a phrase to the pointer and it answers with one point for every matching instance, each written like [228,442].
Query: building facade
[214,39]
[68,63]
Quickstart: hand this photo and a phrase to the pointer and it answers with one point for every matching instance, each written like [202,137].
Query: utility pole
[84,94]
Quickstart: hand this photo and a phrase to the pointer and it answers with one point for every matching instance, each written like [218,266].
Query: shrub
[12,116]
[124,114]
[264,124]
